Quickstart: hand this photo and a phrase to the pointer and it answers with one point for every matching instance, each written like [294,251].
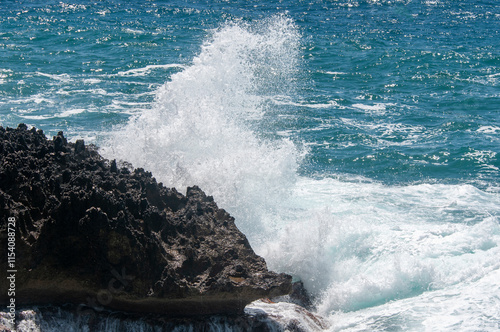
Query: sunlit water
[356,143]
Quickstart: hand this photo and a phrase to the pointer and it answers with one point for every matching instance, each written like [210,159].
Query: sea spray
[359,244]
[366,251]
[388,91]
[201,128]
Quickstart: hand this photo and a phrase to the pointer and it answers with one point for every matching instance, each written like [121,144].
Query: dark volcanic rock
[91,233]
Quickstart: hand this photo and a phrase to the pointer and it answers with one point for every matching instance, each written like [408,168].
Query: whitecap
[378,108]
[134,31]
[146,70]
[335,73]
[488,129]
[329,104]
[92,81]
[70,112]
[36,117]
[58,77]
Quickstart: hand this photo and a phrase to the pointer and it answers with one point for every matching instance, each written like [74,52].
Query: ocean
[355,142]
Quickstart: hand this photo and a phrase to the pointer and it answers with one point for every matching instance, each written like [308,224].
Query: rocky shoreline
[102,237]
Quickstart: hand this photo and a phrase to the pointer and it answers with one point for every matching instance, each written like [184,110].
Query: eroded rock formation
[101,236]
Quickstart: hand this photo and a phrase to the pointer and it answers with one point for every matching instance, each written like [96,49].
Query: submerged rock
[103,237]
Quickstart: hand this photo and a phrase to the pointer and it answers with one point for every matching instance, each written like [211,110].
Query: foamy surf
[373,256]
[146,70]
[200,129]
[362,244]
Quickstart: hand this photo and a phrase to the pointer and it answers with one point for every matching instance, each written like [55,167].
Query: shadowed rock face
[91,233]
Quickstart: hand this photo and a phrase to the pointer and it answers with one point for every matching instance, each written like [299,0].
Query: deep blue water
[412,85]
[374,124]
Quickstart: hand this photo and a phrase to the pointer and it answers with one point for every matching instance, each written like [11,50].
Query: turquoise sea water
[356,142]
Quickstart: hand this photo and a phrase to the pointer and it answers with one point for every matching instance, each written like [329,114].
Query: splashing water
[199,130]
[388,91]
[369,253]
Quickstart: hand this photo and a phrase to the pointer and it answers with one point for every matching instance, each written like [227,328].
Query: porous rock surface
[106,237]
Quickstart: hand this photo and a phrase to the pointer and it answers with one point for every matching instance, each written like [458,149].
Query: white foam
[359,245]
[199,129]
[411,133]
[146,70]
[335,73]
[70,112]
[134,31]
[488,129]
[58,77]
[121,103]
[89,91]
[329,104]
[377,108]
[365,250]
[474,306]
[92,81]
[36,117]
[38,98]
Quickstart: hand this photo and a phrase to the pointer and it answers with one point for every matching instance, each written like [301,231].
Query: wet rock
[299,296]
[100,237]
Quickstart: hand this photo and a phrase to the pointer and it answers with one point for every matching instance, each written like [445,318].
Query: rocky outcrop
[101,236]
